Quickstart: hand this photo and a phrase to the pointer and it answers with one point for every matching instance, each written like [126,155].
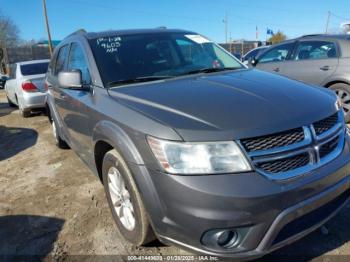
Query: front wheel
[124,200]
[343,93]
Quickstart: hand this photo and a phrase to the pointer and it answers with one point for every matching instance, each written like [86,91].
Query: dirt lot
[51,204]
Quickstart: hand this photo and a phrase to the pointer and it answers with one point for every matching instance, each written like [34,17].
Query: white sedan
[25,87]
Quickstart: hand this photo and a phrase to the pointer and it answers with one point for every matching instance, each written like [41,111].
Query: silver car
[25,87]
[322,60]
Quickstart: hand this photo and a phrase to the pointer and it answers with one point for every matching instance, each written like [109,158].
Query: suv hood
[230,105]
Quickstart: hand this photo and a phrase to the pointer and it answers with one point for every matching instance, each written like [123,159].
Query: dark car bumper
[266,214]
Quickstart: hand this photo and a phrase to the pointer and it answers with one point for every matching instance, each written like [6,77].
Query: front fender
[115,136]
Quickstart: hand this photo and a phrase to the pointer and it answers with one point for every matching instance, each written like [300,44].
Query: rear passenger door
[313,61]
[273,60]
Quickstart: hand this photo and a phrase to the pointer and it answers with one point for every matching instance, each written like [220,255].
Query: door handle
[325,68]
[277,69]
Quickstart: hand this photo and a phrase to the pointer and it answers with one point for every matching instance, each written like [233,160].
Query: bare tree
[9,32]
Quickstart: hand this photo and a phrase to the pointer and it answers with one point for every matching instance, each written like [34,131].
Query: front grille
[285,164]
[302,149]
[273,141]
[328,147]
[311,219]
[325,124]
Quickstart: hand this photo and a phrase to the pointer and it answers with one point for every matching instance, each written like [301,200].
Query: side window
[251,54]
[310,50]
[277,54]
[61,58]
[77,61]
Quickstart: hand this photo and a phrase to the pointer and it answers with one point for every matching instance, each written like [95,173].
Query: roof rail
[78,32]
[311,35]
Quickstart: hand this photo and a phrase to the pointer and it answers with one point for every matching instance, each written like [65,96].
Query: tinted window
[277,54]
[61,58]
[163,54]
[309,50]
[251,54]
[77,61]
[34,69]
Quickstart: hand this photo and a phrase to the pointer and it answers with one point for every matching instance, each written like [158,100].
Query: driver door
[273,60]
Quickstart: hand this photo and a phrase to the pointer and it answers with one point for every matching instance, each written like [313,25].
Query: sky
[294,18]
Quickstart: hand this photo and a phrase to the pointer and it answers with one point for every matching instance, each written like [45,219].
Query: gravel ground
[52,206]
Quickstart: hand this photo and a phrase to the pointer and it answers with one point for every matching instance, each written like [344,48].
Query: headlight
[199,158]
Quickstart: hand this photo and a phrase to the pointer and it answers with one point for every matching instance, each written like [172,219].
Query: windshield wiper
[210,70]
[136,80]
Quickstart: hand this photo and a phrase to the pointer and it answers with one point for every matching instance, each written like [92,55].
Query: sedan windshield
[147,57]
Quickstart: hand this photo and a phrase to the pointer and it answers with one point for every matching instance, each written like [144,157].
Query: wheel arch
[107,136]
[333,82]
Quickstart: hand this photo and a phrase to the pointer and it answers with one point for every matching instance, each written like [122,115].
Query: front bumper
[270,213]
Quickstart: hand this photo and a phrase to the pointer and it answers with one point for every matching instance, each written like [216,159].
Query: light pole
[47,27]
[225,21]
[327,23]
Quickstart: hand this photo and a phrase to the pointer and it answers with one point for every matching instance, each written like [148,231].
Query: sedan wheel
[344,97]
[343,93]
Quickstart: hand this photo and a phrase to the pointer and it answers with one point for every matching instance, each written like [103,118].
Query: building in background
[240,47]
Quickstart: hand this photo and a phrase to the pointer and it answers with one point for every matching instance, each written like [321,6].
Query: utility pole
[328,18]
[47,27]
[225,21]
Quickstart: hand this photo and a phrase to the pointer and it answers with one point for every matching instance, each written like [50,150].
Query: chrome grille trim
[307,140]
[310,145]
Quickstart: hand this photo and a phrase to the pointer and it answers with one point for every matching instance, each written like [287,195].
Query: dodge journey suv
[192,147]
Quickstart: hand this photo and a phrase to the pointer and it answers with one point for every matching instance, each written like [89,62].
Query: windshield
[34,69]
[157,56]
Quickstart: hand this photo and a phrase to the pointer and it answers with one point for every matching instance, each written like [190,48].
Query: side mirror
[70,79]
[254,61]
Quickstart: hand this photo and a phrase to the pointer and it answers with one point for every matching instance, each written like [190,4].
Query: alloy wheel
[344,99]
[121,200]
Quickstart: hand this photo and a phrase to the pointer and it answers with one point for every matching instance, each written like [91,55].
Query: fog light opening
[227,238]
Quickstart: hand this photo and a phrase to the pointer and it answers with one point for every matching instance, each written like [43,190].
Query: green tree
[278,37]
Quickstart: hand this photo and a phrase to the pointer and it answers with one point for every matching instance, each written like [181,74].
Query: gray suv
[192,147]
[322,60]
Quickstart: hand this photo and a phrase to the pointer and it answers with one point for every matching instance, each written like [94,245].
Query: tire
[10,103]
[343,92]
[59,142]
[24,112]
[140,232]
